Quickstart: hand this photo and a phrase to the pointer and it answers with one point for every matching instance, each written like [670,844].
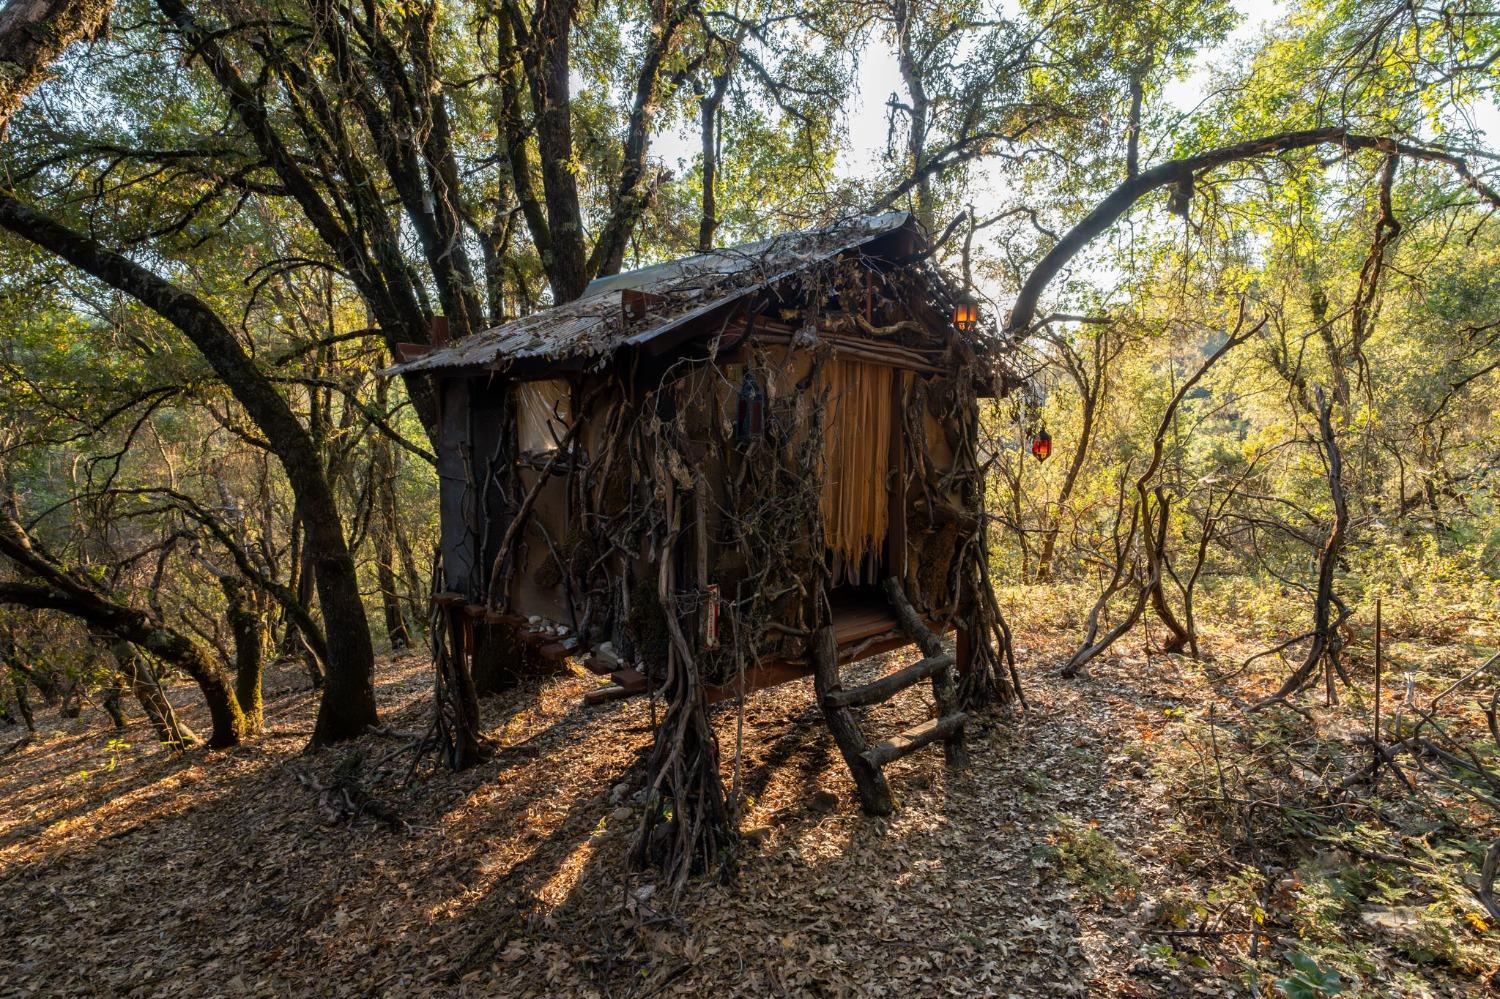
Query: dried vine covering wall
[753,504]
[991,678]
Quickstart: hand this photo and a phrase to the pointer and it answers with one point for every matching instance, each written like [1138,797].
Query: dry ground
[126,871]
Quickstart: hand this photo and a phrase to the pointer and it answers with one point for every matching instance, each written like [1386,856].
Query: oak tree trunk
[249,650]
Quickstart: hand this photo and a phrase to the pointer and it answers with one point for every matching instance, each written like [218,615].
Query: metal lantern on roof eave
[1041,445]
[966,312]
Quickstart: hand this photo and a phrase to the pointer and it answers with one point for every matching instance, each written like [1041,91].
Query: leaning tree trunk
[33,34]
[347,707]
[170,730]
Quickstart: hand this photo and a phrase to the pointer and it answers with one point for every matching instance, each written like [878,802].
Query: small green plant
[1310,981]
[1084,856]
[1318,905]
[114,747]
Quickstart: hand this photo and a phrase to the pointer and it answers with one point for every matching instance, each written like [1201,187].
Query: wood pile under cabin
[718,474]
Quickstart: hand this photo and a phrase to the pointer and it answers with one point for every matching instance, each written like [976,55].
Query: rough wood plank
[768,673]
[889,685]
[633,680]
[601,695]
[913,739]
[599,667]
[854,626]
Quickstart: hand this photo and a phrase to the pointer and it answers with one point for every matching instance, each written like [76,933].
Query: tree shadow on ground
[511,878]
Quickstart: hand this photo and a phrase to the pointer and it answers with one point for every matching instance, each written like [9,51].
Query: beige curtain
[855,502]
[542,414]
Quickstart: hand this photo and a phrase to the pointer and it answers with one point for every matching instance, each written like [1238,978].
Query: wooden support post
[963,647]
[874,792]
[895,535]
[458,707]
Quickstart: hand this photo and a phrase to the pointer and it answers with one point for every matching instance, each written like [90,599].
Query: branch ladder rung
[890,685]
[913,739]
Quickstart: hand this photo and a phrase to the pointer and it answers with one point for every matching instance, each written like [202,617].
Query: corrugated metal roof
[594,326]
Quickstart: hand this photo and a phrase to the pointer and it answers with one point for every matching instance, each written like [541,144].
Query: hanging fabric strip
[855,502]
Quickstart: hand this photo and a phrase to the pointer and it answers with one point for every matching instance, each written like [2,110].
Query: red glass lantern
[1041,445]
[966,312]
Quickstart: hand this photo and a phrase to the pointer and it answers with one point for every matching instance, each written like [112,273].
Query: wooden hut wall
[456,498]
[933,535]
[858,424]
[539,586]
[489,451]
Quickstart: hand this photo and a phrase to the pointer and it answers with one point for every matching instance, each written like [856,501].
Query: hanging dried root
[989,678]
[455,724]
[687,828]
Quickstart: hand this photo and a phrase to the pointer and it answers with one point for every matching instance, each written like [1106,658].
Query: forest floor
[1067,859]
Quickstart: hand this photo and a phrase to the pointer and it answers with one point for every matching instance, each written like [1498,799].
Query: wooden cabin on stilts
[715,475]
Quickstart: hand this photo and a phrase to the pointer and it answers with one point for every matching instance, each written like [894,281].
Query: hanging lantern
[966,312]
[1041,445]
[750,416]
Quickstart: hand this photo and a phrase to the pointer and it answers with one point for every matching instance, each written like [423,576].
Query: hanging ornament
[750,416]
[1041,445]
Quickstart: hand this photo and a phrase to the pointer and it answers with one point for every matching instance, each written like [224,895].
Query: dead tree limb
[1150,516]
[1328,612]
